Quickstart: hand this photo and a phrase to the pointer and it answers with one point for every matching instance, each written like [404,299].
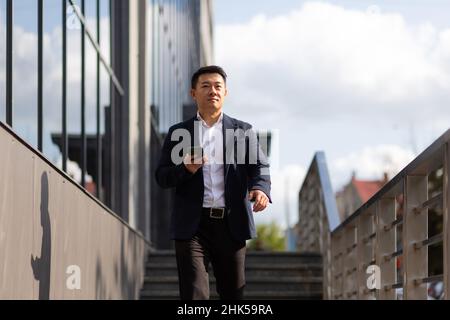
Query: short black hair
[207,69]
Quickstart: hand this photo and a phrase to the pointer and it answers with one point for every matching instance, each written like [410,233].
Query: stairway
[269,276]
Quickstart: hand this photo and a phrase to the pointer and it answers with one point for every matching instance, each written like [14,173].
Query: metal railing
[398,230]
[101,59]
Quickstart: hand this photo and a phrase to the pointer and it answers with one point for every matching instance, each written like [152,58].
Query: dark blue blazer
[239,179]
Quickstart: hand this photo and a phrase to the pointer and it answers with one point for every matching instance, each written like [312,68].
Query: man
[212,216]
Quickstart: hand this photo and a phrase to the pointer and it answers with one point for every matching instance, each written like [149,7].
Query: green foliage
[270,238]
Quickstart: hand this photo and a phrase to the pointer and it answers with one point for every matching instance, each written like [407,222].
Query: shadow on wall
[127,270]
[41,265]
[128,277]
[100,282]
[127,273]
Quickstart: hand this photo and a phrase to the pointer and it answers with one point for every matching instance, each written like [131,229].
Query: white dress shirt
[211,139]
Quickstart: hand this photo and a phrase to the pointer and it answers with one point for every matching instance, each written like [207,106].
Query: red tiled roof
[366,189]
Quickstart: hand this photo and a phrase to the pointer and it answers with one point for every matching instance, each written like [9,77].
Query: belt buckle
[217,213]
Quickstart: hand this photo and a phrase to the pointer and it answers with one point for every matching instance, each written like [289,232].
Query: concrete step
[286,284]
[256,295]
[262,269]
[251,257]
[282,258]
[269,275]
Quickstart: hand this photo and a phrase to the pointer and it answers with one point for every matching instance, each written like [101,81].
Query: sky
[367,82]
[25,66]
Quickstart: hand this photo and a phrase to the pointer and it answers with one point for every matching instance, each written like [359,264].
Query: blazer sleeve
[258,171]
[168,174]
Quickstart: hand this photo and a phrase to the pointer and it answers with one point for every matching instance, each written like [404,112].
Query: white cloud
[323,59]
[74,170]
[370,163]
[25,82]
[365,87]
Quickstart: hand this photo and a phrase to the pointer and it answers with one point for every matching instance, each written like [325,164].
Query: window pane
[91,97]
[104,84]
[52,81]
[105,30]
[74,94]
[25,70]
[156,101]
[149,48]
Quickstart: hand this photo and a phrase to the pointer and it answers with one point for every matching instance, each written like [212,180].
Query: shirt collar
[219,122]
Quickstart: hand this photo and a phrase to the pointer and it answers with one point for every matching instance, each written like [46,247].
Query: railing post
[350,265]
[415,229]
[365,252]
[446,220]
[386,238]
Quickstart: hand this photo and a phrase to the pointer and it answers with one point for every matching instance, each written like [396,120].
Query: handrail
[426,160]
[389,231]
[96,46]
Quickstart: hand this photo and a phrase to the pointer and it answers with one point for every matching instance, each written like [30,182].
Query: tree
[270,237]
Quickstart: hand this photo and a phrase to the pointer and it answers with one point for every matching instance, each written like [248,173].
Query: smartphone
[197,153]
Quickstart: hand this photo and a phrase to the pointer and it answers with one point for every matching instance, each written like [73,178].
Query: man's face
[210,92]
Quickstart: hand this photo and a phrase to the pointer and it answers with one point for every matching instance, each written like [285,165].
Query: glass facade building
[178,49]
[94,85]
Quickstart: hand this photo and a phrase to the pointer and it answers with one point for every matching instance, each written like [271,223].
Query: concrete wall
[48,223]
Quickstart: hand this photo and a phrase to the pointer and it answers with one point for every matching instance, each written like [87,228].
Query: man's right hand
[193,164]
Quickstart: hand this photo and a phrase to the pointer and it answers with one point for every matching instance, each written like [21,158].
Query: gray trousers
[211,244]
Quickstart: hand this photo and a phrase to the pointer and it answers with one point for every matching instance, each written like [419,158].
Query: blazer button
[229,211]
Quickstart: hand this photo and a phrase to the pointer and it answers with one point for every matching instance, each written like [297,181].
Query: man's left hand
[261,200]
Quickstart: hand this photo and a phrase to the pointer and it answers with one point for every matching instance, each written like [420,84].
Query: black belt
[214,213]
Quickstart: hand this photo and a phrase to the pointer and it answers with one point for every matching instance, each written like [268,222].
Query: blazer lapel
[193,128]
[228,146]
